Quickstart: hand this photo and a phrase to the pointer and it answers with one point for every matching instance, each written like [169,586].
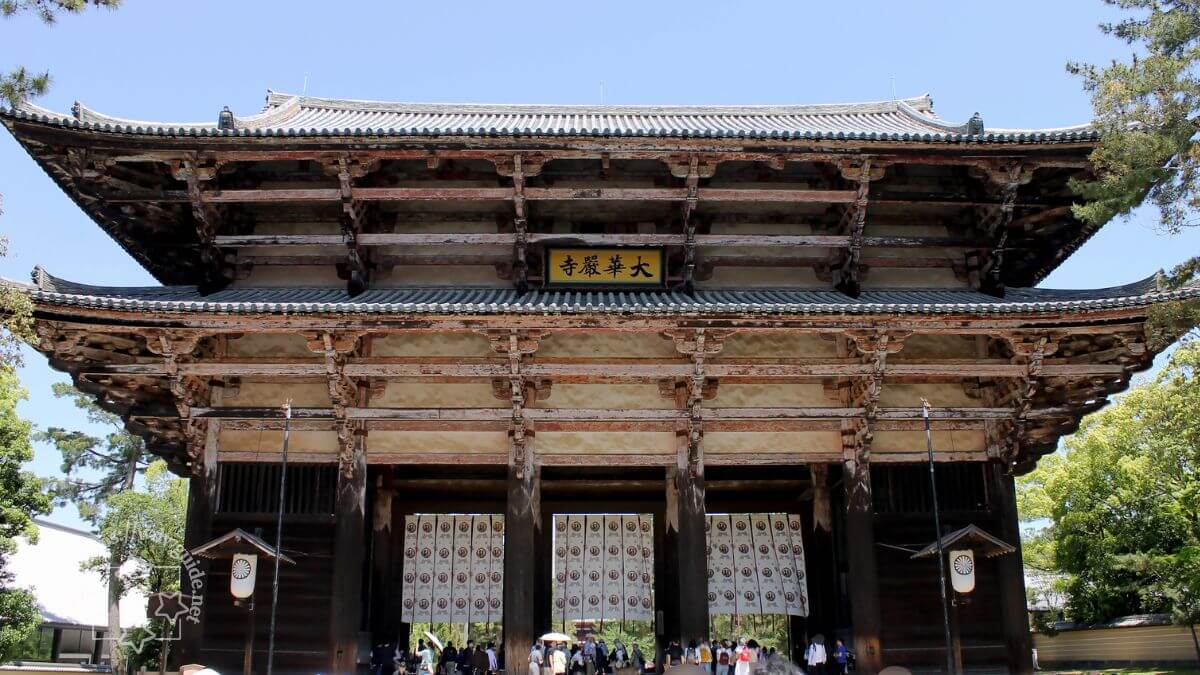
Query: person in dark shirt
[449,659]
[674,653]
[464,658]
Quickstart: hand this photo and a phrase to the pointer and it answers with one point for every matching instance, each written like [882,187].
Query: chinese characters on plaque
[604,266]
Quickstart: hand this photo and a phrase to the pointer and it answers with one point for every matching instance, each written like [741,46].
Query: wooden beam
[605,370]
[622,414]
[396,194]
[649,239]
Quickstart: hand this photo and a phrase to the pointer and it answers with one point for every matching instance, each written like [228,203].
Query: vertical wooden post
[1011,573]
[864,579]
[686,522]
[522,526]
[202,503]
[385,597]
[346,605]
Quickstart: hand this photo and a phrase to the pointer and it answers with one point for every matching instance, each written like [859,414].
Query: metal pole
[941,555]
[287,427]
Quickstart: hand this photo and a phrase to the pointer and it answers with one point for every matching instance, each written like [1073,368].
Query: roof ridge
[923,103]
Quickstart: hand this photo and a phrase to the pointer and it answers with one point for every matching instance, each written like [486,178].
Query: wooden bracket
[198,174]
[343,391]
[847,275]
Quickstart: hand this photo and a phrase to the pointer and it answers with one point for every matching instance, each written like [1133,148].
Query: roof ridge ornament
[975,125]
[225,120]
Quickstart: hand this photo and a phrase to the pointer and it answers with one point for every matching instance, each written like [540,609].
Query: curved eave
[938,133]
[716,304]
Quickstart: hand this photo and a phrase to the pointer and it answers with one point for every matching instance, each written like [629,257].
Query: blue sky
[183,61]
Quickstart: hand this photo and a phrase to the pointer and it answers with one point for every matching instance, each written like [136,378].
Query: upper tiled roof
[909,119]
[53,291]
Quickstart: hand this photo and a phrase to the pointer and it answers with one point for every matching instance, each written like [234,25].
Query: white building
[73,602]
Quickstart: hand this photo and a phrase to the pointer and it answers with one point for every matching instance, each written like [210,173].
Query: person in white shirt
[816,657]
[493,665]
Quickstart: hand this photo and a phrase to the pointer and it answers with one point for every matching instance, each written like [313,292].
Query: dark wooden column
[202,504]
[384,596]
[346,605]
[1011,572]
[685,520]
[860,554]
[523,530]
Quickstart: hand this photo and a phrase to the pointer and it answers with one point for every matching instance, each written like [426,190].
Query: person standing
[589,656]
[841,657]
[535,659]
[637,659]
[425,659]
[493,662]
[743,657]
[479,660]
[816,657]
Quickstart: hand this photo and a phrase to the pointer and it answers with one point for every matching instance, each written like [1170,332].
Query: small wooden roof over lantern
[971,537]
[238,541]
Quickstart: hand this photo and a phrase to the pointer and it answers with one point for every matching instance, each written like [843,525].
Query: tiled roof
[909,119]
[53,291]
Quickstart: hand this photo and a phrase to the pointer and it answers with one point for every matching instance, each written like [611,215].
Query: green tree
[21,498]
[95,470]
[1123,501]
[146,526]
[1147,110]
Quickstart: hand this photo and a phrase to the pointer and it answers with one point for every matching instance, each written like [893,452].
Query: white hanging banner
[410,569]
[460,596]
[443,569]
[423,587]
[242,575]
[756,564]
[496,578]
[561,551]
[747,569]
[646,525]
[481,568]
[631,567]
[770,587]
[962,570]
[593,568]
[614,604]
[723,584]
[576,525]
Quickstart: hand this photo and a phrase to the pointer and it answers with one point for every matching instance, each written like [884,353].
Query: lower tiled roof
[50,290]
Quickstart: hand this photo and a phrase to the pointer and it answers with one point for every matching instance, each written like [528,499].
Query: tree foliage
[1146,109]
[21,498]
[1123,501]
[94,468]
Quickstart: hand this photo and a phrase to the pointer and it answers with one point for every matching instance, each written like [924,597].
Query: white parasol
[434,641]
[555,637]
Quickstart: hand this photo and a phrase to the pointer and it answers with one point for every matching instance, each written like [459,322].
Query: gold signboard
[605,266]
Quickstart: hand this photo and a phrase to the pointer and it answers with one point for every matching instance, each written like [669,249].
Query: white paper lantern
[242,575]
[962,570]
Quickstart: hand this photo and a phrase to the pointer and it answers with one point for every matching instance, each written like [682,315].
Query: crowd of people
[719,657]
[473,659]
[595,657]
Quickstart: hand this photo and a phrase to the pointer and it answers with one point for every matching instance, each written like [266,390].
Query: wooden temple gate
[520,311]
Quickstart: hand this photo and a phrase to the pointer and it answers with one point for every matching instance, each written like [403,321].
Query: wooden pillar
[346,605]
[860,554]
[544,573]
[1011,573]
[685,519]
[198,529]
[523,529]
[385,589]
